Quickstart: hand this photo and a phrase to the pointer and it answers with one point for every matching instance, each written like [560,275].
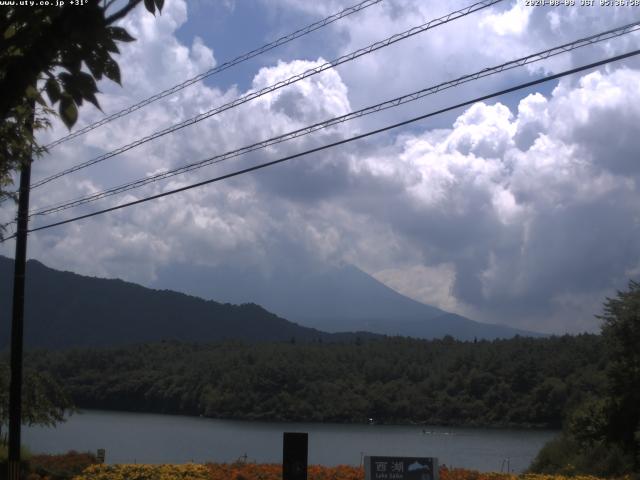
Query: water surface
[151,438]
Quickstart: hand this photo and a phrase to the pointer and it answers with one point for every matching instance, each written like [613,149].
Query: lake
[151,438]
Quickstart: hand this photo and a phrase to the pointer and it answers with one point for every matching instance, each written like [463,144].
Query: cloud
[432,285]
[522,211]
[530,224]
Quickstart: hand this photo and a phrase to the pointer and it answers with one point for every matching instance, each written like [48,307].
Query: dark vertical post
[17,320]
[294,456]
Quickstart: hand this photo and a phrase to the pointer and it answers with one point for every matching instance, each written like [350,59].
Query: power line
[242,58]
[276,86]
[341,142]
[590,40]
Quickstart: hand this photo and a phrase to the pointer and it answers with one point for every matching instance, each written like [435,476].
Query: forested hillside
[521,381]
[67,310]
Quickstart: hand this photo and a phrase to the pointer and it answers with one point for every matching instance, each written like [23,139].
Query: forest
[517,382]
[587,385]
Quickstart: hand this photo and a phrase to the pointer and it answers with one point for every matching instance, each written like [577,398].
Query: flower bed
[253,471]
[187,471]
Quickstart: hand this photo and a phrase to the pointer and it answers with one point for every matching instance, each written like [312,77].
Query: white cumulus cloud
[524,210]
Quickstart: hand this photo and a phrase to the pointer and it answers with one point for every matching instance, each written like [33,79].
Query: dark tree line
[517,382]
[601,434]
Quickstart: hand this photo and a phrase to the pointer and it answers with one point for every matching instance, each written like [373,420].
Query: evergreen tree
[621,331]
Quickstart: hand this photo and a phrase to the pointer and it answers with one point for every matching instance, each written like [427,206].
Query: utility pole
[17,319]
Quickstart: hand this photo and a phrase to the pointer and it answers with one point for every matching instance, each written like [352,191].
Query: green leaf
[33,94]
[86,86]
[53,90]
[68,111]
[112,70]
[80,86]
[120,34]
[150,5]
[95,64]
[70,86]
[159,4]
[110,45]
[72,59]
[91,97]
[10,31]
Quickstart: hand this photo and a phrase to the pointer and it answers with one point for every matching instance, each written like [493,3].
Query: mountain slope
[336,299]
[305,293]
[64,309]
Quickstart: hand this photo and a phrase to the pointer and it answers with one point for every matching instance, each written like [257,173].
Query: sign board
[400,468]
[100,455]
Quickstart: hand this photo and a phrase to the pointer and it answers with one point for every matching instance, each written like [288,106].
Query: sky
[522,210]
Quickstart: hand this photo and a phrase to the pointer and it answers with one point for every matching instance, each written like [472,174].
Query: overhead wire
[276,86]
[542,55]
[219,68]
[341,142]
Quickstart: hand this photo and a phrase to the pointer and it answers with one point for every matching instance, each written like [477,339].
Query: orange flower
[254,471]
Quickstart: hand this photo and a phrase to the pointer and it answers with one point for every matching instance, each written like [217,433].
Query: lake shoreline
[131,437]
[478,425]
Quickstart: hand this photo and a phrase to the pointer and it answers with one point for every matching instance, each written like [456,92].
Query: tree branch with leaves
[44,401]
[64,51]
